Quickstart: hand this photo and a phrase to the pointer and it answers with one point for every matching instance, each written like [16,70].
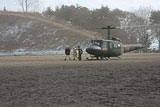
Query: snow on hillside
[154,44]
[20,35]
[14,30]
[17,52]
[35,36]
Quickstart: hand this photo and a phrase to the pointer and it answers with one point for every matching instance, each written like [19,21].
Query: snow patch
[154,45]
[14,30]
[23,52]
[26,40]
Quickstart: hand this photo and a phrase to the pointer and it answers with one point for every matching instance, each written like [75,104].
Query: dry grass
[48,21]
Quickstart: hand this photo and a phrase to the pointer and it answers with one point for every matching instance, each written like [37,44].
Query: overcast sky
[127,5]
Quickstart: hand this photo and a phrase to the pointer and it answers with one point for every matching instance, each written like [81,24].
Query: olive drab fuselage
[109,48]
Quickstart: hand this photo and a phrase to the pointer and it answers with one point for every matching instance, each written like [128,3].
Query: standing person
[74,53]
[67,52]
[79,53]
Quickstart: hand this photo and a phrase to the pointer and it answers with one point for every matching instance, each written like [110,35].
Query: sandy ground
[49,81]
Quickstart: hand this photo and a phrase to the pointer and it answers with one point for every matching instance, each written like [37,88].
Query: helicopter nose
[93,49]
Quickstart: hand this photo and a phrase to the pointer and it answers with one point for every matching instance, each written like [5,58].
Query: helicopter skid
[97,58]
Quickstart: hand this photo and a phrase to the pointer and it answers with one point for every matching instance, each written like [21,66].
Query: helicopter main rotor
[109,28]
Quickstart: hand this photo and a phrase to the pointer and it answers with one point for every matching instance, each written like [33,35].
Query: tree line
[26,5]
[83,17]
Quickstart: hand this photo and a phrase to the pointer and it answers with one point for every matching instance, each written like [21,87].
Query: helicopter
[110,46]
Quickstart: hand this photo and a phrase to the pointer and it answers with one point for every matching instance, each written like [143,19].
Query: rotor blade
[138,26]
[109,27]
[103,28]
[79,28]
[65,29]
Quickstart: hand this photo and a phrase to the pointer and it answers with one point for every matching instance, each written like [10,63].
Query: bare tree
[140,17]
[26,4]
[156,21]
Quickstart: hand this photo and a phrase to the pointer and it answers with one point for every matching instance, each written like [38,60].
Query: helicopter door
[111,45]
[104,46]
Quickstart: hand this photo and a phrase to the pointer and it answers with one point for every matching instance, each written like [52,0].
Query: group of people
[77,53]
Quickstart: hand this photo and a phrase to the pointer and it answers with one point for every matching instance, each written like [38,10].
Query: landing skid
[119,57]
[97,58]
[100,58]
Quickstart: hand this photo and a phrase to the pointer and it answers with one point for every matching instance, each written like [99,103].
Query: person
[74,53]
[79,53]
[67,52]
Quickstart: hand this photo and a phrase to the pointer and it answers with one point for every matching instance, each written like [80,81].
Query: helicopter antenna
[109,33]
[95,35]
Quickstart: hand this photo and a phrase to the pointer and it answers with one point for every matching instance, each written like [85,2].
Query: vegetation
[83,17]
[26,5]
[156,20]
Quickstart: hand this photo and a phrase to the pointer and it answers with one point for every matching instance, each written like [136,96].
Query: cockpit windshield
[96,43]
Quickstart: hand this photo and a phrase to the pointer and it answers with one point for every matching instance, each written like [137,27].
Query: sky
[126,5]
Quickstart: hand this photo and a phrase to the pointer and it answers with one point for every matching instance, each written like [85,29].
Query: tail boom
[129,48]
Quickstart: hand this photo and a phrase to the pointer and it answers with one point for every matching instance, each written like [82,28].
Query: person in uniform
[79,53]
[67,52]
[74,53]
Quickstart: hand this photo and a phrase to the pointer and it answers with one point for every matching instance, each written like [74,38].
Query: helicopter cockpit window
[96,43]
[111,45]
[119,45]
[115,45]
[104,44]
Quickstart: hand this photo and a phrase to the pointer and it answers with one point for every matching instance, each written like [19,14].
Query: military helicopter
[110,47]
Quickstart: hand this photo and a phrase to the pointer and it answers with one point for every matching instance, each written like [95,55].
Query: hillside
[33,32]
